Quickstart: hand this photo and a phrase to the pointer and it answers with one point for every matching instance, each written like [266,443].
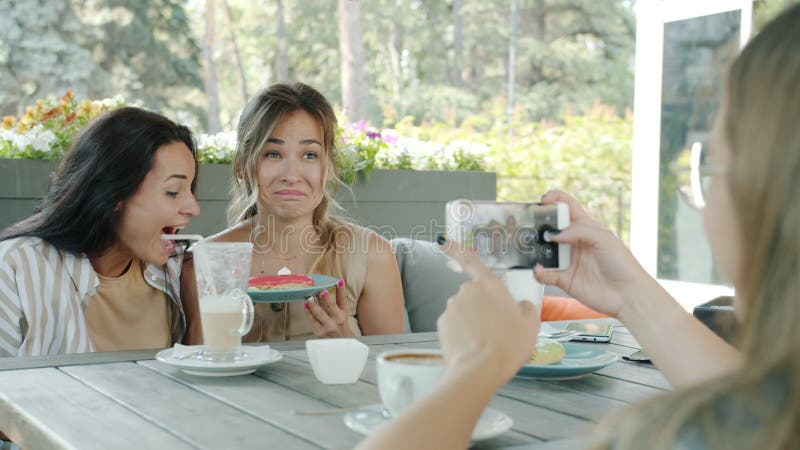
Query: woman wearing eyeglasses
[724,398]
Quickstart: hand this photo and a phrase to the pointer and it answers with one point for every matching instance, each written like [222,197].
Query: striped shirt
[43,293]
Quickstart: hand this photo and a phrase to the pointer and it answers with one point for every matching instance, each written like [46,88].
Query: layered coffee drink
[221,318]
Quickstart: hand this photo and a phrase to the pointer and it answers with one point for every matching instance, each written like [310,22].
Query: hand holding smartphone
[508,235]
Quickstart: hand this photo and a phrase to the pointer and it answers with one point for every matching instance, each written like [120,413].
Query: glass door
[682,52]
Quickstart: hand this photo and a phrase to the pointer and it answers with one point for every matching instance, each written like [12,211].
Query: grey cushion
[427,281]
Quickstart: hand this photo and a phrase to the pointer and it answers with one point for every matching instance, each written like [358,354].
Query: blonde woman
[285,178]
[723,398]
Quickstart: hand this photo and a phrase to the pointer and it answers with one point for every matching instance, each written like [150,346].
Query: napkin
[181,351]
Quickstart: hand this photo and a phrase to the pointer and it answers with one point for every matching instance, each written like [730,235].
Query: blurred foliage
[766,10]
[588,155]
[98,48]
[436,78]
[569,55]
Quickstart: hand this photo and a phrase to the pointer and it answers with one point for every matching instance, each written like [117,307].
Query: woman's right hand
[484,331]
[603,272]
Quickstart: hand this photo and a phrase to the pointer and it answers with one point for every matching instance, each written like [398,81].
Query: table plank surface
[129,400]
[50,409]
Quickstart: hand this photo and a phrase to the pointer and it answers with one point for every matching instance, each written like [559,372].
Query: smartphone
[510,235]
[592,332]
[637,356]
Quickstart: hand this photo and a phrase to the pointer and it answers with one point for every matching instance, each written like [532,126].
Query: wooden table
[128,400]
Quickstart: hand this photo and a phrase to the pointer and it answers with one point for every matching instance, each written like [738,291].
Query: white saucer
[364,420]
[254,357]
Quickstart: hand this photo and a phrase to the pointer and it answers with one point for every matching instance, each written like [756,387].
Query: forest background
[539,91]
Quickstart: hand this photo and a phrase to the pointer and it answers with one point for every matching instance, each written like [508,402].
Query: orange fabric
[561,308]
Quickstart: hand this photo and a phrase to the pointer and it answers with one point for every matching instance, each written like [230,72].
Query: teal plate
[579,360]
[321,283]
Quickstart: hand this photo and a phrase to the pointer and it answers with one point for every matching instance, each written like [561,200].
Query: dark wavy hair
[104,166]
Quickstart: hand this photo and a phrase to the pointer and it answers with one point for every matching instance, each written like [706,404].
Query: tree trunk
[540,20]
[235,51]
[281,55]
[351,51]
[395,46]
[210,72]
[458,43]
[512,62]
[537,16]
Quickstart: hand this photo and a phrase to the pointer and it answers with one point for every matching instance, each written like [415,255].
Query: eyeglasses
[694,174]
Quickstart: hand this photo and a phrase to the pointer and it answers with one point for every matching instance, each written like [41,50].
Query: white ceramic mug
[338,360]
[405,376]
[226,311]
[523,286]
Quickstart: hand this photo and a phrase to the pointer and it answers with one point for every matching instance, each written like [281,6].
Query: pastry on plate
[280,282]
[547,352]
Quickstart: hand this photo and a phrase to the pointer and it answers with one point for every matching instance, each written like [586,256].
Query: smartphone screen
[506,235]
[595,332]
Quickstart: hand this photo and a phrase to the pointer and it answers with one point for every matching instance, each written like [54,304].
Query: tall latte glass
[226,311]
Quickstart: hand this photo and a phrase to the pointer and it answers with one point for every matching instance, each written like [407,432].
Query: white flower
[20,141]
[219,146]
[42,141]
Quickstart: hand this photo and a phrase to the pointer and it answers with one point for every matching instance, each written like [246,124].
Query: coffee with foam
[221,318]
[418,359]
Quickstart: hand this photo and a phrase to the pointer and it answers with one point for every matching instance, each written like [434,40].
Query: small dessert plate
[321,283]
[579,360]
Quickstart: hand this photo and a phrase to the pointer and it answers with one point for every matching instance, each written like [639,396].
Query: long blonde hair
[758,406]
[256,124]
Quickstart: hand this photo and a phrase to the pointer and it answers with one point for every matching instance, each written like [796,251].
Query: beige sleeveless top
[288,321]
[126,313]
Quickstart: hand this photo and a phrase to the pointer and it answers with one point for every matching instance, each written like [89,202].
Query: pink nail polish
[324,294]
[307,306]
[340,283]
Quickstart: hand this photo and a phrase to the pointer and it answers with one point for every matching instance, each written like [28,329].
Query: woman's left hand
[328,318]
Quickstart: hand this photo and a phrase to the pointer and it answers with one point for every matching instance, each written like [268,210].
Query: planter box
[397,203]
[23,182]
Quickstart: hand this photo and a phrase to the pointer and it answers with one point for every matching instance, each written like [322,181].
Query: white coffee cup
[337,361]
[405,376]
[523,286]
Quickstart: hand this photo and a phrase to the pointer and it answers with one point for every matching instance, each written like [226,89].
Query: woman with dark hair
[89,270]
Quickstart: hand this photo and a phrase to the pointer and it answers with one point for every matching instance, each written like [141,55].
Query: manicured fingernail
[307,306]
[441,240]
[340,283]
[324,294]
